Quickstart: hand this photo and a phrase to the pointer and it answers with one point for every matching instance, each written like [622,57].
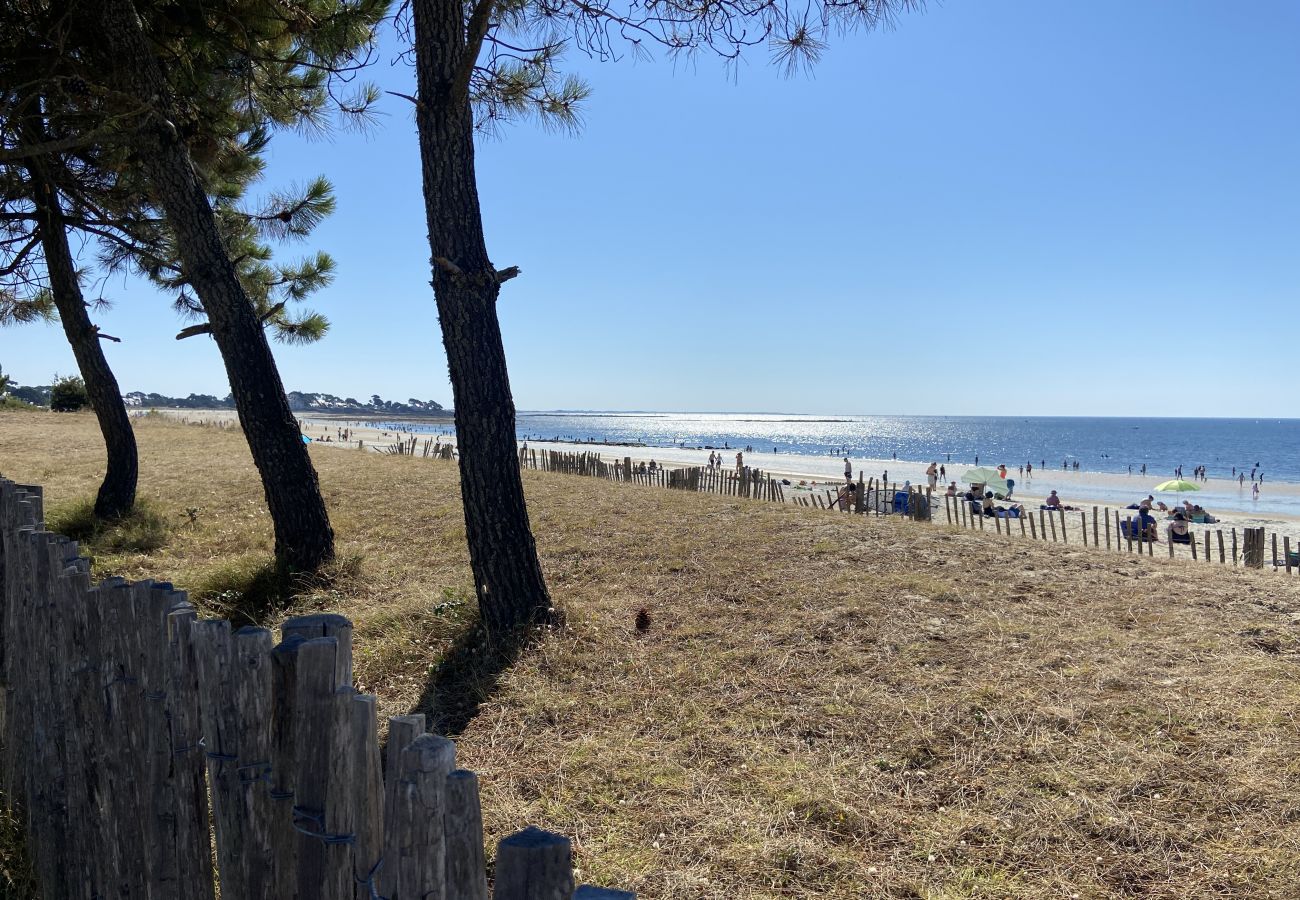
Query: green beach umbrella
[1177,484]
[982,475]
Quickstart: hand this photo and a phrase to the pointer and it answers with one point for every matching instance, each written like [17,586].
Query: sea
[1270,446]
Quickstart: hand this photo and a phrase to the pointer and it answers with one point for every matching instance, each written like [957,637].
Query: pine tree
[37,232]
[171,87]
[485,63]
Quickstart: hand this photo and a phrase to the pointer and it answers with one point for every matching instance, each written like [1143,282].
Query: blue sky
[997,208]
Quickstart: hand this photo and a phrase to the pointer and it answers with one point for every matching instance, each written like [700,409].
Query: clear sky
[999,207]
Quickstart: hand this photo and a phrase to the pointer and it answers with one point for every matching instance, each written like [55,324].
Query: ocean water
[1098,444]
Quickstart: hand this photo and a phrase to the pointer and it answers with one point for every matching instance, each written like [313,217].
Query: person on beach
[1254,491]
[848,469]
[1029,470]
[1179,533]
[740,460]
[1011,486]
[1052,501]
[952,489]
[1002,472]
[1241,479]
[932,475]
[1146,504]
[1146,525]
[846,496]
[943,473]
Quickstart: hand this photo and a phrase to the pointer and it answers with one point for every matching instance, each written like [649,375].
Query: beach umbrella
[985,476]
[1177,484]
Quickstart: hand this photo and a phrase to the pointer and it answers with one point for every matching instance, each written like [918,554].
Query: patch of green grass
[143,530]
[253,589]
[15,403]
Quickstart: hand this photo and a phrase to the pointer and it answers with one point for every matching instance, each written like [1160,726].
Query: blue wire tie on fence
[318,819]
[369,881]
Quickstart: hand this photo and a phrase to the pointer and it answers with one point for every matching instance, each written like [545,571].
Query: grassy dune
[822,707]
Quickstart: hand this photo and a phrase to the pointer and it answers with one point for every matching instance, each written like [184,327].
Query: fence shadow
[468,676]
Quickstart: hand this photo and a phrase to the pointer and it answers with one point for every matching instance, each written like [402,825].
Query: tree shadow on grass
[468,676]
[142,530]
[255,589]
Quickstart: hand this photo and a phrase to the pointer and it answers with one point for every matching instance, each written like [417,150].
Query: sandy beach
[1278,508]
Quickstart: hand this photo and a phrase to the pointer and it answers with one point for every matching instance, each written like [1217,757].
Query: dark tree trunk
[507,575]
[116,495]
[117,492]
[303,537]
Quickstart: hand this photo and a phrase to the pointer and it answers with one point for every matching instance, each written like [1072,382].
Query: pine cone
[642,621]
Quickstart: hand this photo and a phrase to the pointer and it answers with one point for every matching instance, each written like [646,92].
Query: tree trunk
[303,537]
[117,492]
[507,575]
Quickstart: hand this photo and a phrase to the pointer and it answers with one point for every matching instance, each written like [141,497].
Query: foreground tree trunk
[507,575]
[112,33]
[116,495]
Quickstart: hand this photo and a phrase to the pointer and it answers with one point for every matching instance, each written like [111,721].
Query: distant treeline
[299,401]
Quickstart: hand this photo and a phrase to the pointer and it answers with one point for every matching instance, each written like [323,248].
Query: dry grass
[822,707]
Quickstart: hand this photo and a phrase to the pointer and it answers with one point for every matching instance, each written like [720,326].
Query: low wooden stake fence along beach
[129,724]
[875,497]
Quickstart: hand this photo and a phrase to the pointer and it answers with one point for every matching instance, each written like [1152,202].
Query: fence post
[466,878]
[534,865]
[423,767]
[1253,548]
[313,721]
[192,840]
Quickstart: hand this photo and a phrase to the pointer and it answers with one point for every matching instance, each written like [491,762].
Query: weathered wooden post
[466,879]
[534,865]
[1252,555]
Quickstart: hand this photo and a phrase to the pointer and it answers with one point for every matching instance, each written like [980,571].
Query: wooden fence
[143,744]
[743,482]
[1117,530]
[1103,527]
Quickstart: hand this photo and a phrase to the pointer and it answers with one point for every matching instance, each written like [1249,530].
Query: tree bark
[303,537]
[507,575]
[116,495]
